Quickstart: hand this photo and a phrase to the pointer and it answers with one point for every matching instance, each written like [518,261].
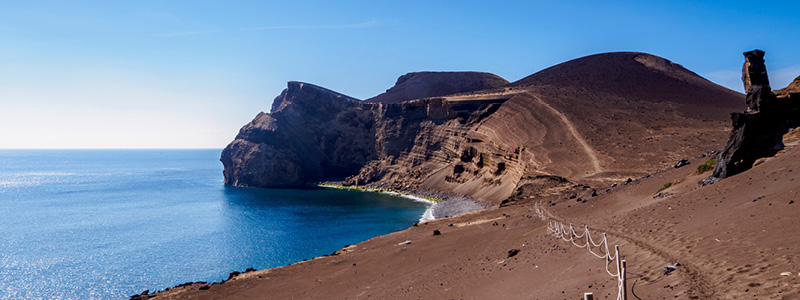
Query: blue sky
[189,74]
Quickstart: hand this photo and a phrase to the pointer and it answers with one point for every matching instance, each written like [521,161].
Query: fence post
[619,261]
[588,296]
[588,239]
[624,280]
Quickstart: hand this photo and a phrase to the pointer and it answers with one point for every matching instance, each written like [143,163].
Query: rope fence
[584,240]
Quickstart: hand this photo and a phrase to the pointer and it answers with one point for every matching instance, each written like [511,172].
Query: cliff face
[593,120]
[314,134]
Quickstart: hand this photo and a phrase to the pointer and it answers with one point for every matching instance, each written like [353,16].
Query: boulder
[681,163]
[513,252]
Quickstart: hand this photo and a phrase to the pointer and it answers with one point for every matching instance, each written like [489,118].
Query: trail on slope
[571,127]
[700,287]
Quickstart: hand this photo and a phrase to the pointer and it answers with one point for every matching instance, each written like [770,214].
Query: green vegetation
[375,190]
[797,78]
[709,165]
[666,185]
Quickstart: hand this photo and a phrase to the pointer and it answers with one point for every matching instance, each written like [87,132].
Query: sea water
[107,224]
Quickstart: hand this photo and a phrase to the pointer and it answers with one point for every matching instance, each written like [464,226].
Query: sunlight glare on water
[100,224]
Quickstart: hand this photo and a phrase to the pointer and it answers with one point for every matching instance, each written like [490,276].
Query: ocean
[107,224]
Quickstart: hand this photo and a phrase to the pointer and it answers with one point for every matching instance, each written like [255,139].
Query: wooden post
[588,240]
[624,280]
[588,296]
[619,261]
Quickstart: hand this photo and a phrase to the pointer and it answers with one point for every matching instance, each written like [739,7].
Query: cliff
[593,120]
[314,134]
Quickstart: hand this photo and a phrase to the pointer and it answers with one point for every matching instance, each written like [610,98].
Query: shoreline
[508,252]
[426,216]
[441,205]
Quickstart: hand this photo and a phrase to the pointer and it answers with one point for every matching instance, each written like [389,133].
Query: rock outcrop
[594,121]
[758,131]
[793,90]
[314,134]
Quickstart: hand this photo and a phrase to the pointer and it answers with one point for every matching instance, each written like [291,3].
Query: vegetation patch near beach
[362,188]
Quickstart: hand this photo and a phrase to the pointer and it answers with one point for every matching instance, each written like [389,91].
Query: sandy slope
[733,240]
[560,140]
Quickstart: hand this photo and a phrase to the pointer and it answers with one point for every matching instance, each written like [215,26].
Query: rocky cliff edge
[588,122]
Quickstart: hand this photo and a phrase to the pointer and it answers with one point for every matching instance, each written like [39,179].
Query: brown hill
[736,238]
[593,120]
[418,85]
[641,77]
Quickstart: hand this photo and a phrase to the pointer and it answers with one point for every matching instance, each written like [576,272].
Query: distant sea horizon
[110,223]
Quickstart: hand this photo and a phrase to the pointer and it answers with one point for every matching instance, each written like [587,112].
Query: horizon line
[1,149]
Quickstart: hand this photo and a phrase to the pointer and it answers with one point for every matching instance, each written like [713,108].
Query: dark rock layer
[314,134]
[758,131]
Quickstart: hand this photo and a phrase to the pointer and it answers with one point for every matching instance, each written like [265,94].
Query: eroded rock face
[792,90]
[312,134]
[591,121]
[756,81]
[758,131]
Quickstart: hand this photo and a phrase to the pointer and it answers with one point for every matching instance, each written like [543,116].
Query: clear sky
[189,74]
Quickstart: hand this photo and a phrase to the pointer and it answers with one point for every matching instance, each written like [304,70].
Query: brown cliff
[593,120]
[314,134]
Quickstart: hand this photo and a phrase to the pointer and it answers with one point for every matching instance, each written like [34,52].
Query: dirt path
[700,287]
[578,137]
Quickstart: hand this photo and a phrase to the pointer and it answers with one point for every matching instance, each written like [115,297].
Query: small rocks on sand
[669,268]
[681,163]
[437,232]
[660,195]
[513,252]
